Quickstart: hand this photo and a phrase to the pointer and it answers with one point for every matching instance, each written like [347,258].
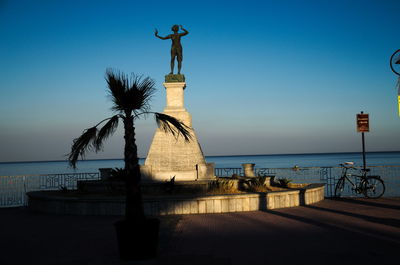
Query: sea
[260,161]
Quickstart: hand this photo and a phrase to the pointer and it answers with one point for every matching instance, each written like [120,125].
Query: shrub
[221,186]
[257,184]
[118,174]
[284,182]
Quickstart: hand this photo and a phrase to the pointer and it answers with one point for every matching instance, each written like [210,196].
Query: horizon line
[107,159]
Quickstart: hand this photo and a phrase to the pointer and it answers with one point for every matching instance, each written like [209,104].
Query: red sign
[362,123]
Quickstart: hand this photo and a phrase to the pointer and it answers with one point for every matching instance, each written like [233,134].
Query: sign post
[363,126]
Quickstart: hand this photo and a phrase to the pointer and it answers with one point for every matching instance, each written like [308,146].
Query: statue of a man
[176,48]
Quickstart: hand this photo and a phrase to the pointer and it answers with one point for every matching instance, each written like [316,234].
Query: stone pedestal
[248,170]
[171,156]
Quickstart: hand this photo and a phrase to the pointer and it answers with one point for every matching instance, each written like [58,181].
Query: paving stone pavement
[345,231]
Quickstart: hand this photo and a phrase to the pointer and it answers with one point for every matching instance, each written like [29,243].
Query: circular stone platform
[57,202]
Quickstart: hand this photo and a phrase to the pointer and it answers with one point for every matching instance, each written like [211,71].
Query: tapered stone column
[171,156]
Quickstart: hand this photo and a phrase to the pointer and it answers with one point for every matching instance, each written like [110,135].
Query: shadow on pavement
[367,202]
[385,221]
[348,229]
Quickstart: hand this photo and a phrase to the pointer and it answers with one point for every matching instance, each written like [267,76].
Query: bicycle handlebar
[352,167]
[348,167]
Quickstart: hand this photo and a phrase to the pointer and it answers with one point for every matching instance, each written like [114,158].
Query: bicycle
[369,186]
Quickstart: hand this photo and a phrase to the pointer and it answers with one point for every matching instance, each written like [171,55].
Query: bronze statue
[176,48]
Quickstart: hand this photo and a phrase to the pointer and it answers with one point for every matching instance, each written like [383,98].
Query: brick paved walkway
[330,232]
[346,231]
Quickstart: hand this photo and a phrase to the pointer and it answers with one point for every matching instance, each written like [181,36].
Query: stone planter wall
[206,204]
[313,195]
[283,199]
[166,205]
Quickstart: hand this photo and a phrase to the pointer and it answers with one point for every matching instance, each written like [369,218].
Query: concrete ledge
[55,202]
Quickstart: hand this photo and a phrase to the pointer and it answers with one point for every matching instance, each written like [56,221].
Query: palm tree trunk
[134,202]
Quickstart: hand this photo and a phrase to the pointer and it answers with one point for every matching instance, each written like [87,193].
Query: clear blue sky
[263,77]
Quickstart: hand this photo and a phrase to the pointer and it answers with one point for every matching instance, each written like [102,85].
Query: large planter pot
[248,170]
[137,239]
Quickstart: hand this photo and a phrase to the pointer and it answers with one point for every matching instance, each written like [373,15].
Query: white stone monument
[170,156]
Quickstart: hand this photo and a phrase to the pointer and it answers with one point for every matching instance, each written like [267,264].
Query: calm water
[264,161]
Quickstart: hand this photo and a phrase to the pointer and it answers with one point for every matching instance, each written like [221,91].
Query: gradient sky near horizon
[263,77]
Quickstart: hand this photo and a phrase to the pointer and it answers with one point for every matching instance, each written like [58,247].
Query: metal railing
[228,171]
[326,175]
[13,189]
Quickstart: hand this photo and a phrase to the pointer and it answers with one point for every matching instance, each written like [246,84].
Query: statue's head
[175,28]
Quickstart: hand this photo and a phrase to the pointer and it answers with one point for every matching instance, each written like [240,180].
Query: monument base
[170,156]
[200,172]
[171,78]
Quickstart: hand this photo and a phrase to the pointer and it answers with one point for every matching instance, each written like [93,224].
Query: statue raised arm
[176,48]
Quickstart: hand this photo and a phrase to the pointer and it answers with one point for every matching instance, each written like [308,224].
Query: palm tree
[131,97]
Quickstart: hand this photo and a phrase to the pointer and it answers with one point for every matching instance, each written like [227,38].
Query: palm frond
[172,125]
[143,90]
[81,145]
[117,83]
[106,131]
[129,93]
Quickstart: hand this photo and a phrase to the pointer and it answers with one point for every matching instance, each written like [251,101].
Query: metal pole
[363,147]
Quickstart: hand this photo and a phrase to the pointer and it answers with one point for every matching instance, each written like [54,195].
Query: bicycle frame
[357,187]
[370,186]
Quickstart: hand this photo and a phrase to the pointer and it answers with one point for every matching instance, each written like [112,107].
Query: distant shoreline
[254,155]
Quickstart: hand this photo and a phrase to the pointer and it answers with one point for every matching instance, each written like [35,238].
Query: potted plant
[131,95]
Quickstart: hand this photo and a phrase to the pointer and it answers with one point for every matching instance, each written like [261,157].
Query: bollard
[248,170]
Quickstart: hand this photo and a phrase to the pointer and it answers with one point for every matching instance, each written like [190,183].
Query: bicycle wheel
[373,187]
[339,187]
